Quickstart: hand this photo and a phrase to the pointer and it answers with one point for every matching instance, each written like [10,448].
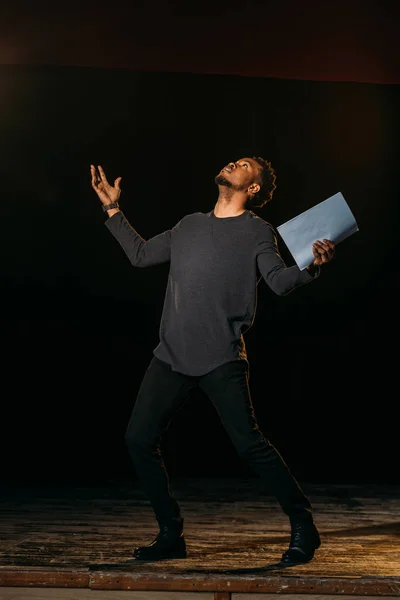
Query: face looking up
[242,175]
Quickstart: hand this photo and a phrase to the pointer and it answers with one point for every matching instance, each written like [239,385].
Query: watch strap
[107,207]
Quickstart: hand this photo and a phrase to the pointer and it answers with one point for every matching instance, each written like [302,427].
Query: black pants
[161,394]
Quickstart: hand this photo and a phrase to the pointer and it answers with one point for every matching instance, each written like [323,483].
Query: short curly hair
[267,184]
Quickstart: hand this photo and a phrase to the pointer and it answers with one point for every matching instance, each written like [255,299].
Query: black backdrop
[79,323]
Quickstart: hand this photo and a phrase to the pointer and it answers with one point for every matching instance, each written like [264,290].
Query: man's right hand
[106,192]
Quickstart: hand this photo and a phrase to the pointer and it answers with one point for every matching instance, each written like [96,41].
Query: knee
[136,443]
[244,450]
[253,445]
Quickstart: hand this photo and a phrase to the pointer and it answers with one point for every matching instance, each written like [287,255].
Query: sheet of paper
[331,219]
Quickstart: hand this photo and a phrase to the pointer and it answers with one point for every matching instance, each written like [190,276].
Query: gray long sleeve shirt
[211,296]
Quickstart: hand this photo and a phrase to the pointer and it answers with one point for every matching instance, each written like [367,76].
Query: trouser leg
[161,394]
[228,389]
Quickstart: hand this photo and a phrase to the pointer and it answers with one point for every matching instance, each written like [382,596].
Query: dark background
[80,323]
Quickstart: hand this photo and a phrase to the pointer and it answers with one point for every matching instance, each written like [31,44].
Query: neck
[230,203]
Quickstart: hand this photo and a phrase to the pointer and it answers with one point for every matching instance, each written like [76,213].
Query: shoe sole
[299,561]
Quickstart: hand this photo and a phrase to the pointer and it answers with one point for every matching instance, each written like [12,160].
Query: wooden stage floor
[69,541]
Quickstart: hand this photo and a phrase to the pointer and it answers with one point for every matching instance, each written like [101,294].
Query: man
[216,262]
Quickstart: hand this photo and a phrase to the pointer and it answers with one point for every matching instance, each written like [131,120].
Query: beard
[221,180]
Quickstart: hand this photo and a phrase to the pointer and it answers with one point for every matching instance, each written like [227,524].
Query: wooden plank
[20,577]
[21,593]
[288,585]
[86,594]
[224,587]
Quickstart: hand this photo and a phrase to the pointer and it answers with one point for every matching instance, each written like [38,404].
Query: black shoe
[168,544]
[303,543]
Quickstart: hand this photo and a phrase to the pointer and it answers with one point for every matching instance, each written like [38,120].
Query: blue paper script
[331,219]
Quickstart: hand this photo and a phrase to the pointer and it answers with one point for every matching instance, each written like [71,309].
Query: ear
[254,188]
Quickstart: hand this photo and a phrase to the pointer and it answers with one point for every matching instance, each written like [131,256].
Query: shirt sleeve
[281,279]
[141,252]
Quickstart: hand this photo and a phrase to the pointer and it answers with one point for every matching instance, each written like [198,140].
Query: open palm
[106,192]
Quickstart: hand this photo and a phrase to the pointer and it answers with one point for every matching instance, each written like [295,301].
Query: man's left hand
[323,252]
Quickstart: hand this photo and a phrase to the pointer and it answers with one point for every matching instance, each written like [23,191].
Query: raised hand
[323,251]
[106,192]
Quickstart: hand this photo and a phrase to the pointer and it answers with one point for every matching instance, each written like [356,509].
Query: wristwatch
[107,207]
